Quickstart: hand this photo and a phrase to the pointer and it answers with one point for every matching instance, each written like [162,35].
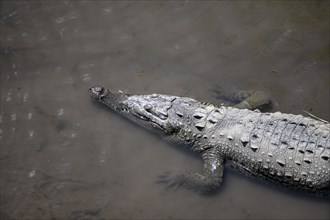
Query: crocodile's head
[150,111]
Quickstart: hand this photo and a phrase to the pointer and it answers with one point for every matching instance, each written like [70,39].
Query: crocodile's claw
[170,180]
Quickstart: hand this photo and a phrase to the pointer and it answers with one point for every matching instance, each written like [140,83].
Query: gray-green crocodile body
[291,150]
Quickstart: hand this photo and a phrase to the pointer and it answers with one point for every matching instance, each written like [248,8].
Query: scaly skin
[290,150]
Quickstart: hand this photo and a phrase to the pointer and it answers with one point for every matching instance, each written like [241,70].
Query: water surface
[65,157]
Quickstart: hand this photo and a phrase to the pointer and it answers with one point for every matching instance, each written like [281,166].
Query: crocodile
[287,149]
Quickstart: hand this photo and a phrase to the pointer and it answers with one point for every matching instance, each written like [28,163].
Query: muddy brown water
[65,157]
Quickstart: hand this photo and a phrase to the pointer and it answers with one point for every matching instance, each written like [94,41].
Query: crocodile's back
[289,149]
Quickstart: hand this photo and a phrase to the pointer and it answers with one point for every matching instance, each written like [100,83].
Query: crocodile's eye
[147,107]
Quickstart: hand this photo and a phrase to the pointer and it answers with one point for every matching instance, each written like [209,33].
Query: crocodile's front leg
[209,180]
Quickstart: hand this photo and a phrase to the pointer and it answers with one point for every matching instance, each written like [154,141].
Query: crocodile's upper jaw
[150,111]
[114,100]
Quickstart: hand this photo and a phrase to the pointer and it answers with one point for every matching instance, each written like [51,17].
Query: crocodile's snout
[115,100]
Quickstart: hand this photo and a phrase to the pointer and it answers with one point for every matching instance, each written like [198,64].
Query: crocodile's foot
[254,100]
[170,180]
[210,179]
[192,181]
[249,99]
